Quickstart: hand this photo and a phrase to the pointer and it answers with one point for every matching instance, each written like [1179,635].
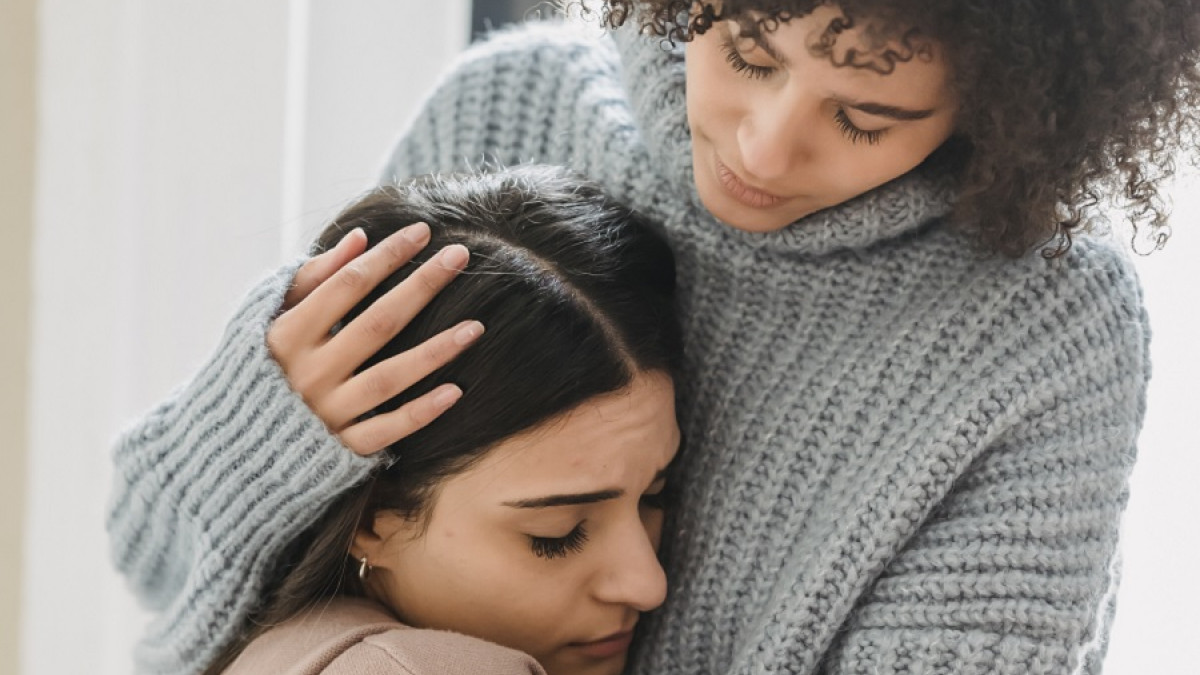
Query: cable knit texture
[901,458]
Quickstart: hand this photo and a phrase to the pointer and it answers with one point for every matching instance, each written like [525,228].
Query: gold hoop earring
[363,568]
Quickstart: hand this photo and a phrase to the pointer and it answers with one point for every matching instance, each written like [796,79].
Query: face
[548,543]
[779,133]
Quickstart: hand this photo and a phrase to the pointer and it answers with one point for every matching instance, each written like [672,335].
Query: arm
[1015,570]
[210,484]
[504,101]
[213,484]
[182,466]
[203,497]
[548,93]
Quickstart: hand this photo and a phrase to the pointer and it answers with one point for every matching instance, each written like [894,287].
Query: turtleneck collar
[654,76]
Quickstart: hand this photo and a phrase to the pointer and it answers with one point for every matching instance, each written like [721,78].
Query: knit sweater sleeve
[211,484]
[1014,572]
[492,106]
[544,92]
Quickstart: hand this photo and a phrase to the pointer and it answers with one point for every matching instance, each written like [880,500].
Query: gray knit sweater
[902,458]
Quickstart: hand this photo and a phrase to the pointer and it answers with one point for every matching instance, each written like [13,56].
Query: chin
[745,217]
[749,219]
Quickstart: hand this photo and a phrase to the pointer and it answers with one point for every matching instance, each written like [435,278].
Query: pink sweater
[352,636]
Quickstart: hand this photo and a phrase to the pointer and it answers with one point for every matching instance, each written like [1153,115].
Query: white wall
[184,148]
[1157,629]
[17,49]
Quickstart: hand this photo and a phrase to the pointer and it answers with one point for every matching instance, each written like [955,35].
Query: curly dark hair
[1066,105]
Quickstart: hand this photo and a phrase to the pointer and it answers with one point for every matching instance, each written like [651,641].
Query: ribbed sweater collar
[654,75]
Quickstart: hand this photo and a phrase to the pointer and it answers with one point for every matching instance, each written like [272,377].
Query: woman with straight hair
[913,380]
[515,532]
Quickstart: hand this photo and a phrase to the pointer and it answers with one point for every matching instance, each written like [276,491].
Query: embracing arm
[213,481]
[190,471]
[213,484]
[544,92]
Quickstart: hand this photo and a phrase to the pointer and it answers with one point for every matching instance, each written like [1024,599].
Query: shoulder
[1033,331]
[1096,265]
[1066,332]
[538,50]
[355,636]
[541,92]
[1093,286]
[411,651]
[358,637]
[547,37]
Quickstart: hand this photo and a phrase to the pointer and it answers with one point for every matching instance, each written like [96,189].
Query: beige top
[353,636]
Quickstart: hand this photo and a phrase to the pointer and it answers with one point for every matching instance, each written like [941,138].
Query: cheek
[852,170]
[710,103]
[482,583]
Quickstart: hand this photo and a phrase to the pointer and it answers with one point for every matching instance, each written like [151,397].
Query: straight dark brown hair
[576,292]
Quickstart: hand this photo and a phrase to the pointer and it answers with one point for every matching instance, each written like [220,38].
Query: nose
[632,575]
[774,138]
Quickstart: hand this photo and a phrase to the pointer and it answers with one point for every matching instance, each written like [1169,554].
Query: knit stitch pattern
[213,483]
[901,458]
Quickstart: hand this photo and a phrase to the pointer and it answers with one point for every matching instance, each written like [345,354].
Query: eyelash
[840,118]
[558,547]
[854,133]
[741,65]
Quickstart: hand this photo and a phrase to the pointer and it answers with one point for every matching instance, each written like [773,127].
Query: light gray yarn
[901,458]
[213,483]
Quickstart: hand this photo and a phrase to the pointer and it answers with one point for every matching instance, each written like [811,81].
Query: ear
[378,532]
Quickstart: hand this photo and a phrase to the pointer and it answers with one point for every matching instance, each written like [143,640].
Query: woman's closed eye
[741,65]
[559,547]
[848,128]
[853,132]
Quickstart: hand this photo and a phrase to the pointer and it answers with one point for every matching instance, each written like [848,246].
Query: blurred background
[158,156]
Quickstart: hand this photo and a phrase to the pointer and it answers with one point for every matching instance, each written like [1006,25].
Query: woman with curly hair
[912,382]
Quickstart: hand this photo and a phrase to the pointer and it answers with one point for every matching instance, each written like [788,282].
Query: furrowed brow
[584,497]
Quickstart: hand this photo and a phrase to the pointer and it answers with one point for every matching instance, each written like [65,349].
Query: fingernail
[350,235]
[455,256]
[446,396]
[468,333]
[417,233]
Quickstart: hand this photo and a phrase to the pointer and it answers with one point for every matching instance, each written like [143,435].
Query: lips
[746,194]
[606,647]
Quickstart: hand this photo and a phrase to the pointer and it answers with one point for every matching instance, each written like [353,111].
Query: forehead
[884,55]
[613,441]
[874,43]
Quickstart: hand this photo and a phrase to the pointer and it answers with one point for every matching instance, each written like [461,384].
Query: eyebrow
[767,46]
[879,109]
[882,110]
[575,499]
